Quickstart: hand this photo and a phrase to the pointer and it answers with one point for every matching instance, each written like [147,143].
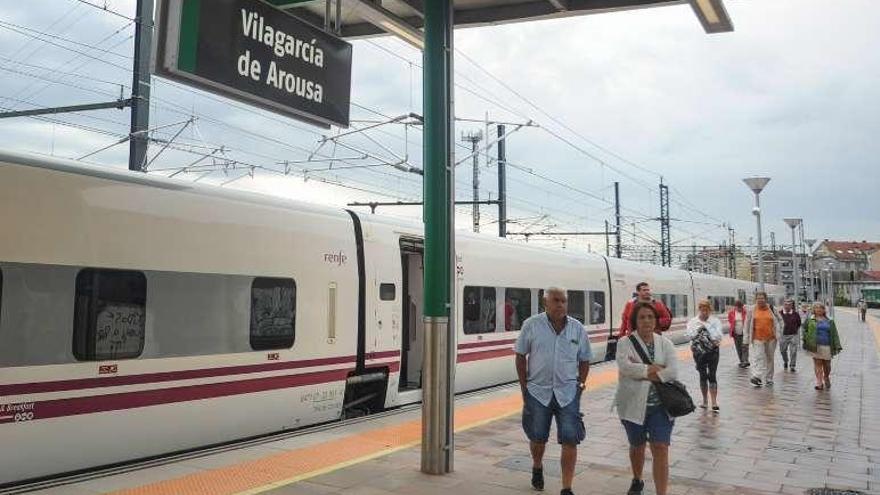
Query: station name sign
[251,51]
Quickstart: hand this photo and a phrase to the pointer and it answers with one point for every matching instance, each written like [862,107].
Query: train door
[412,327]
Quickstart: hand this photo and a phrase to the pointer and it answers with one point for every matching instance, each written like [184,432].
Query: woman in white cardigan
[637,403]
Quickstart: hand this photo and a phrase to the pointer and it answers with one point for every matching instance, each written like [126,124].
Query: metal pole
[474,139]
[617,219]
[760,244]
[140,86]
[437,449]
[502,183]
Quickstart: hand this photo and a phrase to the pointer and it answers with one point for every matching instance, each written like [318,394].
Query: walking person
[823,342]
[552,362]
[863,309]
[791,331]
[762,331]
[643,294]
[736,318]
[637,402]
[704,332]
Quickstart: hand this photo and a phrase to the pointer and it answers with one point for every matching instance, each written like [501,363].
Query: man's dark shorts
[536,419]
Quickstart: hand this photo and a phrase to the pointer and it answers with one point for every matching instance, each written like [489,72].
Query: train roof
[123,175]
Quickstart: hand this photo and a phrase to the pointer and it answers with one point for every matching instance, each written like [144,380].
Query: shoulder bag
[673,395]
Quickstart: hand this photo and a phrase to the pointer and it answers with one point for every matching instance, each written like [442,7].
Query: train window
[387,292]
[671,303]
[666,300]
[479,310]
[682,305]
[741,295]
[109,314]
[577,305]
[517,307]
[597,307]
[273,313]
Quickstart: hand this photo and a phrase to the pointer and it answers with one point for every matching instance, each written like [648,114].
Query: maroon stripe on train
[164,376]
[131,400]
[144,398]
[485,343]
[481,355]
[382,354]
[167,376]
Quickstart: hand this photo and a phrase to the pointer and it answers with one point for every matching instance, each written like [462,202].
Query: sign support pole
[140,86]
[440,345]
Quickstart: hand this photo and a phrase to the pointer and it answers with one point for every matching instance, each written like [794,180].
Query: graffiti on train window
[109,314]
[597,307]
[273,313]
[479,310]
[119,330]
[517,307]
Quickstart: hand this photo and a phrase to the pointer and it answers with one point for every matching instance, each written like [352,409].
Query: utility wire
[106,9]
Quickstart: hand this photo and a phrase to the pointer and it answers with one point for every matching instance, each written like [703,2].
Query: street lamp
[794,223]
[757,184]
[809,243]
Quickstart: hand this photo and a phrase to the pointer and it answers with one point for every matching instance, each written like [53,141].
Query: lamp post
[757,184]
[793,223]
[809,243]
[831,294]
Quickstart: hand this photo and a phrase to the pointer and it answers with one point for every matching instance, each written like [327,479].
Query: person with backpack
[705,333]
[643,294]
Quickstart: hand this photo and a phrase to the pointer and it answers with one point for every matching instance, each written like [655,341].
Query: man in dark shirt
[788,346]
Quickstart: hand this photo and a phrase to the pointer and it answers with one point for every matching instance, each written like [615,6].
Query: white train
[141,316]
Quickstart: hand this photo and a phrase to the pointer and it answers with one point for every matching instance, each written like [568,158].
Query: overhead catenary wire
[412,185]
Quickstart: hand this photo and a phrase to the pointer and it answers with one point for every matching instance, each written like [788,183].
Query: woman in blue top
[823,342]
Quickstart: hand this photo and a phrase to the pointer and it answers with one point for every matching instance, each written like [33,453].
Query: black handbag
[673,395]
[611,349]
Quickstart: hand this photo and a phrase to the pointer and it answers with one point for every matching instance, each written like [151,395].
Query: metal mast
[140,86]
[665,241]
[474,138]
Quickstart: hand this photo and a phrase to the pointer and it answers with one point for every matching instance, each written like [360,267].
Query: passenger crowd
[553,360]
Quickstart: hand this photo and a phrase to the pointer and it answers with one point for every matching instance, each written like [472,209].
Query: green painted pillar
[439,351]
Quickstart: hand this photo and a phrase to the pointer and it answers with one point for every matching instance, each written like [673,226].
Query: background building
[853,266]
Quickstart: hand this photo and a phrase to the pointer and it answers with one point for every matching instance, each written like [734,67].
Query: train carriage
[141,316]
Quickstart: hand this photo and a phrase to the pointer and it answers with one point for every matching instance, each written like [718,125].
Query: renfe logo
[335,258]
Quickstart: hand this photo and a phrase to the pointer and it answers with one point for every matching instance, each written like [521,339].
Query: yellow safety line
[352,462]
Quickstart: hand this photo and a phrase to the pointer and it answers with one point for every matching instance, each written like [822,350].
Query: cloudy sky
[630,97]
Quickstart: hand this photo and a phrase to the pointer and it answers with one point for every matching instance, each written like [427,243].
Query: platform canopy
[405,18]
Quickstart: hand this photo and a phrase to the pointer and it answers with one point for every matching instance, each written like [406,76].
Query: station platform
[788,438]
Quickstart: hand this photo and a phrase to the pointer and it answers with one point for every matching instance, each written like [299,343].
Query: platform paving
[784,439]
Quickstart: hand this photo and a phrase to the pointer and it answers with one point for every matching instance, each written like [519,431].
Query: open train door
[413,326]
